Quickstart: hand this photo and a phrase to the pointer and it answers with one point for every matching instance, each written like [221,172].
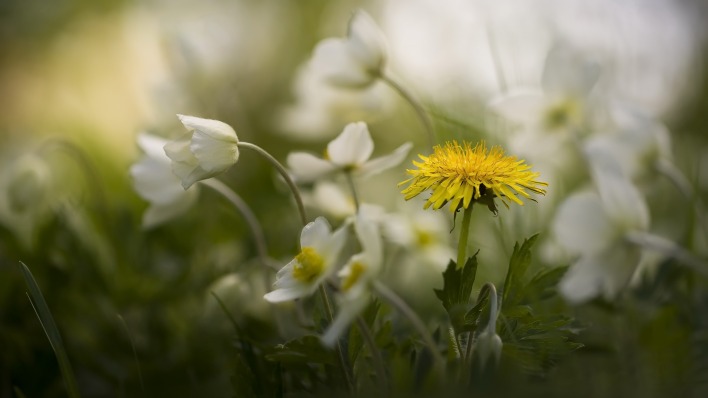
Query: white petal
[307,168]
[367,231]
[566,72]
[375,166]
[334,61]
[352,147]
[159,213]
[367,42]
[315,233]
[286,294]
[332,200]
[582,226]
[215,129]
[152,145]
[332,247]
[523,107]
[214,155]
[621,200]
[348,311]
[154,180]
[606,274]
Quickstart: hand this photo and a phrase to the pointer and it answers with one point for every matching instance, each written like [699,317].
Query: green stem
[247,214]
[417,107]
[464,235]
[352,188]
[397,302]
[375,353]
[338,347]
[673,174]
[284,173]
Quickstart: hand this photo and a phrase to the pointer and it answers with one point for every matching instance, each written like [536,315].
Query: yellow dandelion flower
[462,174]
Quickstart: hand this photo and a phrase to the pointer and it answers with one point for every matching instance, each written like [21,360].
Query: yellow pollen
[462,174]
[356,270]
[309,265]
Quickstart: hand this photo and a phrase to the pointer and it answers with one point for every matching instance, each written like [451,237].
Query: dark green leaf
[518,266]
[456,291]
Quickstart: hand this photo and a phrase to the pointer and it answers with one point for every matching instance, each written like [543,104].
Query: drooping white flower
[594,226]
[155,182]
[209,148]
[317,260]
[359,271]
[355,61]
[349,152]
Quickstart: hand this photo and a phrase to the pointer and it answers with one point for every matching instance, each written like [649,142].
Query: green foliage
[50,328]
[456,291]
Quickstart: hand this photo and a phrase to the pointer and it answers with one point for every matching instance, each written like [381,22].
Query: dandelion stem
[417,107]
[247,214]
[338,347]
[284,174]
[464,235]
[352,187]
[393,299]
[375,353]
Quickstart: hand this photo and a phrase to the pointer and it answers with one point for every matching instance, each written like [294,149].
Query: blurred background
[80,79]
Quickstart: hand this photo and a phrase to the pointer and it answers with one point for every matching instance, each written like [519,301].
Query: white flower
[154,181]
[357,60]
[595,226]
[210,148]
[321,108]
[349,152]
[636,144]
[319,251]
[355,276]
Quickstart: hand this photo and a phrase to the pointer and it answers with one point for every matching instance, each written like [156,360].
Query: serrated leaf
[456,291]
[518,266]
[306,349]
[475,313]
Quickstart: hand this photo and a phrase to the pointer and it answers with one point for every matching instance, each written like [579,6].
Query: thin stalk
[135,352]
[464,235]
[397,302]
[417,107]
[352,188]
[248,215]
[284,173]
[338,347]
[375,353]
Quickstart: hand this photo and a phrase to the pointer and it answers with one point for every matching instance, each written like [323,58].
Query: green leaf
[243,380]
[306,349]
[473,315]
[456,291]
[51,330]
[518,266]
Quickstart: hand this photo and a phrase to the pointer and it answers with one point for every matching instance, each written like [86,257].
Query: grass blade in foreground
[50,328]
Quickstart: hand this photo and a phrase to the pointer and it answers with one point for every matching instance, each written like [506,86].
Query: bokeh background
[95,74]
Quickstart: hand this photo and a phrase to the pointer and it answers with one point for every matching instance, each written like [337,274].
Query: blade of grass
[50,329]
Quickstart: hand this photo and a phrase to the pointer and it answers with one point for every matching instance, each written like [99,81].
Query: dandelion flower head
[463,174]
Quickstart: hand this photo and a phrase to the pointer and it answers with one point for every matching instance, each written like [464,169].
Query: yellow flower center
[423,238]
[309,265]
[561,115]
[356,270]
[462,174]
